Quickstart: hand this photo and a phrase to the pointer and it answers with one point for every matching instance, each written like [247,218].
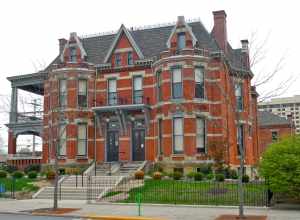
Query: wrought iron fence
[7,188]
[169,191]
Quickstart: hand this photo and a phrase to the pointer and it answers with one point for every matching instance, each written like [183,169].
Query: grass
[22,184]
[202,192]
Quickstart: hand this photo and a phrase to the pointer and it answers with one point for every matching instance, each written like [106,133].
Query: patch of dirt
[24,195]
[42,183]
[247,217]
[115,198]
[50,211]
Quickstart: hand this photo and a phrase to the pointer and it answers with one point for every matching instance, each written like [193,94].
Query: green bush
[210,176]
[32,175]
[158,167]
[233,174]
[9,168]
[33,167]
[205,168]
[3,174]
[198,176]
[50,175]
[157,175]
[220,177]
[191,175]
[177,175]
[62,171]
[18,174]
[245,178]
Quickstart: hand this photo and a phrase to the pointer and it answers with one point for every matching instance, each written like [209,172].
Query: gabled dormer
[73,51]
[181,36]
[124,50]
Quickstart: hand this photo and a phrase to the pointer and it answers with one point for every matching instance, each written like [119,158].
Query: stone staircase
[80,187]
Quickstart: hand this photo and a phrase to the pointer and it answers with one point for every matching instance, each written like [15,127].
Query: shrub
[33,167]
[198,176]
[18,174]
[157,175]
[245,178]
[210,176]
[191,175]
[220,177]
[139,175]
[32,175]
[233,174]
[3,174]
[9,168]
[50,175]
[62,171]
[177,175]
[205,168]
[158,167]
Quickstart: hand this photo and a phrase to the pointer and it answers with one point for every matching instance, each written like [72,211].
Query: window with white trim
[181,40]
[82,140]
[62,93]
[199,82]
[112,92]
[177,83]
[130,58]
[159,85]
[137,89]
[117,59]
[200,135]
[239,96]
[82,93]
[73,54]
[178,135]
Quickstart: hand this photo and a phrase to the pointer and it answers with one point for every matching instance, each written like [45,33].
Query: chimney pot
[245,44]
[62,43]
[180,20]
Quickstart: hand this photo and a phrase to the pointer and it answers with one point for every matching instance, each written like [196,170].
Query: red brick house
[272,128]
[162,94]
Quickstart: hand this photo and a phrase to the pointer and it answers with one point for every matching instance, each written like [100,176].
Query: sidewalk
[170,212]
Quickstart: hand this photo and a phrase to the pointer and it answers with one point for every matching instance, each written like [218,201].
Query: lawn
[22,184]
[203,192]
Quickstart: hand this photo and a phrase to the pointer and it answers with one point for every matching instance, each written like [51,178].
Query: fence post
[82,179]
[76,180]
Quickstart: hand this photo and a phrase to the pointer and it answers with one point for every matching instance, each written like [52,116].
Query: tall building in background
[284,107]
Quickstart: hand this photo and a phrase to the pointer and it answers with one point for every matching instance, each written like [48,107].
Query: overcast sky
[30,29]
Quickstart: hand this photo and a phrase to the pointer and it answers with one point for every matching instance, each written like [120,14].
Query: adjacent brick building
[272,128]
[171,94]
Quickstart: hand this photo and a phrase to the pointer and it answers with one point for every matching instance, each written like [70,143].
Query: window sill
[61,157]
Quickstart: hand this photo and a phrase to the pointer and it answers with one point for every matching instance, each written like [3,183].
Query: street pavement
[171,212]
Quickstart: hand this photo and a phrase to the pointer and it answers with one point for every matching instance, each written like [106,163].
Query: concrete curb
[54,215]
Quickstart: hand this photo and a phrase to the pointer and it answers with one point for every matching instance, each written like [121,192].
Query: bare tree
[265,72]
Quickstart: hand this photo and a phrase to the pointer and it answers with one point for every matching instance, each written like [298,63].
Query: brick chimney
[245,54]
[219,31]
[62,43]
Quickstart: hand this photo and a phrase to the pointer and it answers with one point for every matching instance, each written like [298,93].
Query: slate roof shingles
[266,118]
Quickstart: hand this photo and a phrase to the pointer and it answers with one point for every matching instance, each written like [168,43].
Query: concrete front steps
[128,169]
[64,193]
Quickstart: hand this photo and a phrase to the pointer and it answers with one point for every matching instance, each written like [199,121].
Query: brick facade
[217,107]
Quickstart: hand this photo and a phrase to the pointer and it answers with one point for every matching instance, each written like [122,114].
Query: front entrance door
[138,143]
[112,146]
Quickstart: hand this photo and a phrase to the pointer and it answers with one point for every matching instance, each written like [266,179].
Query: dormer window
[180,41]
[117,59]
[73,54]
[129,58]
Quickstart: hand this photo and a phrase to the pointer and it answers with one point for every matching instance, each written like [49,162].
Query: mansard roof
[152,41]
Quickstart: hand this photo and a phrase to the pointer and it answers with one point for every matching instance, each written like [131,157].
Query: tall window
[82,140]
[73,54]
[200,135]
[62,137]
[112,92]
[160,150]
[117,59]
[180,41]
[129,58]
[239,96]
[240,138]
[159,85]
[176,83]
[82,93]
[62,93]
[178,135]
[199,82]
[137,90]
